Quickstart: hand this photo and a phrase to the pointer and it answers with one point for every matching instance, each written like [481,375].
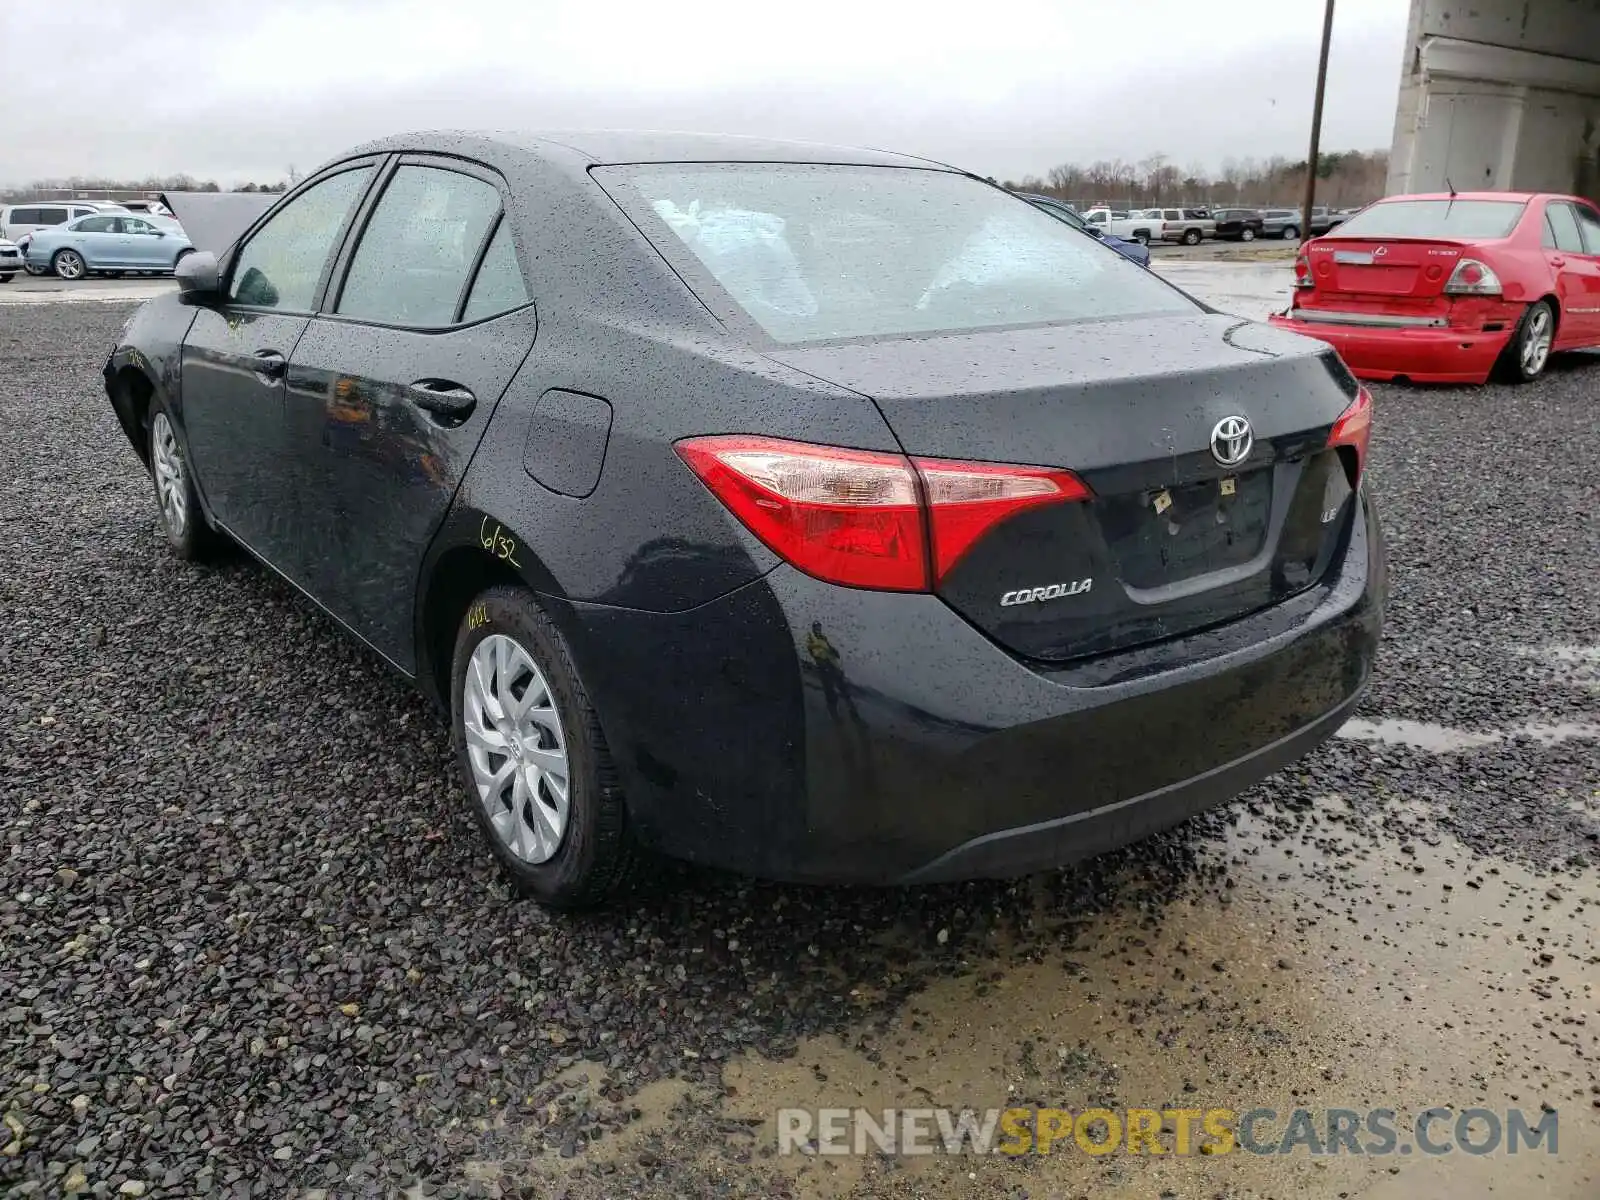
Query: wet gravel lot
[250,942]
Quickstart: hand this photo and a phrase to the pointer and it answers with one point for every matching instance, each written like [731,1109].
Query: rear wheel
[537,771]
[1528,352]
[1142,236]
[68,264]
[1191,237]
[1247,234]
[1290,233]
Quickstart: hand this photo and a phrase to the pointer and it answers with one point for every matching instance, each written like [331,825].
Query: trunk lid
[1390,268]
[1172,539]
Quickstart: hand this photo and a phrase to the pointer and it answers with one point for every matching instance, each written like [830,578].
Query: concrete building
[1499,94]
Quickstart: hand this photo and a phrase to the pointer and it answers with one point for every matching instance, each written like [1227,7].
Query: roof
[1513,197]
[597,146]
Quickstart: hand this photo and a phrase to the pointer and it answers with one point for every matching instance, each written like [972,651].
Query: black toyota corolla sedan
[817,513]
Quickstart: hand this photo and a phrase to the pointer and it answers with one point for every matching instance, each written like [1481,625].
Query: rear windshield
[1435,219]
[812,253]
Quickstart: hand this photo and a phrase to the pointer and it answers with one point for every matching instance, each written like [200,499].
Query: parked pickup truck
[1186,225]
[1138,227]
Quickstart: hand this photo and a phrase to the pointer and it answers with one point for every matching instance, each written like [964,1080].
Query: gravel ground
[250,942]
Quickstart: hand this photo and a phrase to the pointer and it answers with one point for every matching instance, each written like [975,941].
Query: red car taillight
[865,518]
[1473,278]
[1302,271]
[1354,429]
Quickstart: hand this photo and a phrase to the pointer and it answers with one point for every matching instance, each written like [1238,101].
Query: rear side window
[1434,219]
[1590,221]
[418,249]
[96,225]
[24,216]
[1561,229]
[282,263]
[499,286]
[52,216]
[821,252]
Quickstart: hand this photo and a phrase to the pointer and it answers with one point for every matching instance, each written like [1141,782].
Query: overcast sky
[237,90]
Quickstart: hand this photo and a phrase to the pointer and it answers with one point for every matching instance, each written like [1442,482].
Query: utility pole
[1316,126]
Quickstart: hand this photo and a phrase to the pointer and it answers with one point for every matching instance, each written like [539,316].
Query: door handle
[1557,261]
[269,363]
[442,398]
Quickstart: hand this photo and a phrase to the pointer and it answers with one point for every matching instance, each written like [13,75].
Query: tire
[1290,233]
[573,861]
[36,272]
[182,254]
[182,521]
[69,264]
[7,278]
[1247,234]
[1191,237]
[1142,236]
[1528,352]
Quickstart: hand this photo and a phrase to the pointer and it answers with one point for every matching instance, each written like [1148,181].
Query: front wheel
[1290,233]
[1191,237]
[68,264]
[1528,352]
[538,775]
[1142,236]
[1247,234]
[181,520]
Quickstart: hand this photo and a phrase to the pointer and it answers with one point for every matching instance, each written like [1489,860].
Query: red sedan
[1445,289]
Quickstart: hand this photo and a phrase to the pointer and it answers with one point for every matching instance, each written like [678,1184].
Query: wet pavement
[249,938]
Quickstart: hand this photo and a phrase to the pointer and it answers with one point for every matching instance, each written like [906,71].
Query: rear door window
[96,225]
[1561,229]
[1589,221]
[499,286]
[419,247]
[281,265]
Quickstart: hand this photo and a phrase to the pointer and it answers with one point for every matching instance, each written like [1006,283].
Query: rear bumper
[1422,355]
[801,731]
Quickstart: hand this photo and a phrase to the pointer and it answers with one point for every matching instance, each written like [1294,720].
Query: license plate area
[1353,258]
[1163,535]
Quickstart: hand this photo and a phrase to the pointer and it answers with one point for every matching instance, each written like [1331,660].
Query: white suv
[18,219]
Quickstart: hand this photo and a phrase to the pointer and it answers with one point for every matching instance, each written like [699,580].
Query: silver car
[10,260]
[106,244]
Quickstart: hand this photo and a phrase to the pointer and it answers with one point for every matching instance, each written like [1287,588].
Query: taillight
[967,499]
[1473,278]
[865,518]
[1302,271]
[1354,429]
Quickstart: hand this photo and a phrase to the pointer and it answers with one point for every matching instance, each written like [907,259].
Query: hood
[214,220]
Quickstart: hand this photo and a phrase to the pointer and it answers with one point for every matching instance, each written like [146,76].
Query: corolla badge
[1051,591]
[1231,440]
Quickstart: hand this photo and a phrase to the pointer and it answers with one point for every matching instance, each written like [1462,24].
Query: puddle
[1441,739]
[1332,974]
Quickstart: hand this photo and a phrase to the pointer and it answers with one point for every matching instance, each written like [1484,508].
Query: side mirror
[198,279]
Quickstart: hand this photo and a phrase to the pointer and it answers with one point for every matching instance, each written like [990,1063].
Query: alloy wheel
[69,265]
[516,748]
[167,463]
[1536,341]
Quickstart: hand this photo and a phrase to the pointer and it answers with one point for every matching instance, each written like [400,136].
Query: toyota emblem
[1231,440]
